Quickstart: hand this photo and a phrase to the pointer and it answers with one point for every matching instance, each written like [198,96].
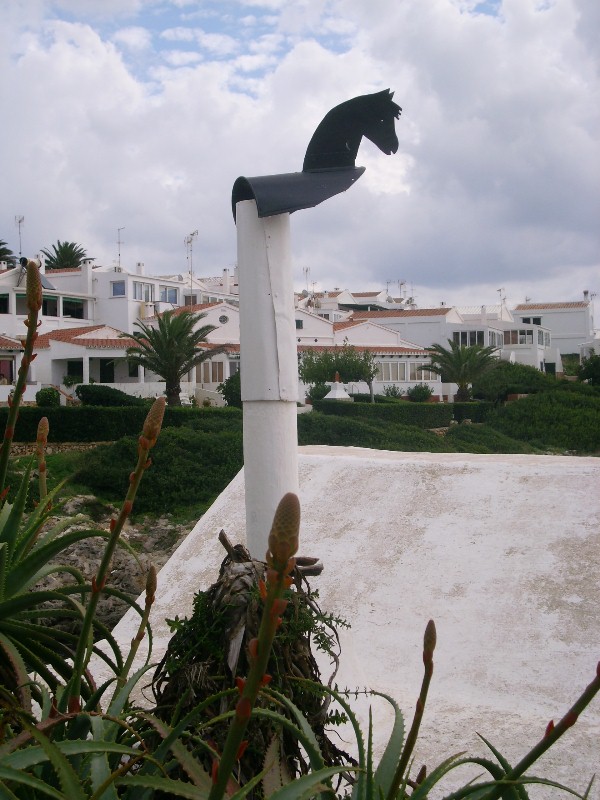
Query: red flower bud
[262,589]
[240,683]
[214,772]
[242,749]
[549,728]
[243,709]
[253,648]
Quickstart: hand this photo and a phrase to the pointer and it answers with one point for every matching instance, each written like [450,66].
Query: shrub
[475,411]
[391,390]
[317,392]
[507,378]
[179,477]
[483,439]
[423,415]
[419,393]
[231,389]
[48,397]
[318,428]
[99,395]
[560,419]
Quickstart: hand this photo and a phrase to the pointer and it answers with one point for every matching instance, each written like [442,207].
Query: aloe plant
[75,743]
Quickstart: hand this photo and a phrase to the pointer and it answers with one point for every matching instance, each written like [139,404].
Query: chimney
[586,295]
[139,268]
[483,315]
[42,259]
[226,282]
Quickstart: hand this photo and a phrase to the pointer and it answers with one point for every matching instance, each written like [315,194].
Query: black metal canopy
[329,164]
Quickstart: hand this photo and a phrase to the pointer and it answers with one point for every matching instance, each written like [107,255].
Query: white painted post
[269,368]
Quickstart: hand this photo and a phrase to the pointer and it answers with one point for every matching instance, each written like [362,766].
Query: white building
[570,324]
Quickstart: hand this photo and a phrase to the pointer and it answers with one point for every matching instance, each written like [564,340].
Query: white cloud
[133,38]
[496,182]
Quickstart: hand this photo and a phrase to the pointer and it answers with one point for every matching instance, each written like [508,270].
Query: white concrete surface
[502,551]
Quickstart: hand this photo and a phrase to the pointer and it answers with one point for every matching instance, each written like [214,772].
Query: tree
[231,389]
[171,349]
[64,255]
[6,254]
[461,365]
[347,361]
[590,370]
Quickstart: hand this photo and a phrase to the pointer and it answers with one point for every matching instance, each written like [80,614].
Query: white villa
[86,310]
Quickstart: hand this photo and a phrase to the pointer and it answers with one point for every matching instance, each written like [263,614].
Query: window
[75,369]
[168,294]
[117,289]
[223,319]
[299,324]
[234,367]
[526,320]
[107,370]
[133,370]
[391,371]
[3,304]
[541,338]
[546,338]
[189,300]
[50,306]
[143,291]
[212,372]
[73,308]
[536,321]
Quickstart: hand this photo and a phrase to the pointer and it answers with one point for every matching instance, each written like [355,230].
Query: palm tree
[171,349]
[65,255]
[461,365]
[6,254]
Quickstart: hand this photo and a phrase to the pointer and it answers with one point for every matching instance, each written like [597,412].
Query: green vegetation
[318,428]
[506,379]
[6,254]
[231,389]
[64,255]
[590,370]
[567,420]
[94,394]
[350,364]
[419,393]
[247,731]
[462,365]
[48,397]
[171,349]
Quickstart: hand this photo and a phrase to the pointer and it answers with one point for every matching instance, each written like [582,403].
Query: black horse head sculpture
[336,140]
[329,164]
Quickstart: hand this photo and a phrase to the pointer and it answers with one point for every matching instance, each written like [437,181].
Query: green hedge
[106,424]
[560,419]
[97,394]
[483,439]
[189,469]
[316,428]
[423,415]
[475,411]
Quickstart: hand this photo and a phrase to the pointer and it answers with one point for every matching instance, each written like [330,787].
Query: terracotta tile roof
[550,306]
[62,271]
[194,309]
[348,323]
[402,312]
[365,294]
[6,343]
[81,337]
[375,349]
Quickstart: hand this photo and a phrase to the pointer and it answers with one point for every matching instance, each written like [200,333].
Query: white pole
[269,368]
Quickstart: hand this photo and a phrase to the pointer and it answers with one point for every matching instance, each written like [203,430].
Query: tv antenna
[189,245]
[19,220]
[306,273]
[501,296]
[119,243]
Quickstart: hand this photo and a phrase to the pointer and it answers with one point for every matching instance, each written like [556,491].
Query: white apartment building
[570,324]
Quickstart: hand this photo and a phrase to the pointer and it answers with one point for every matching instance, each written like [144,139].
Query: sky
[131,119]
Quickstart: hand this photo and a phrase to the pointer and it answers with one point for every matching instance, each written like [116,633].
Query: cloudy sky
[140,114]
